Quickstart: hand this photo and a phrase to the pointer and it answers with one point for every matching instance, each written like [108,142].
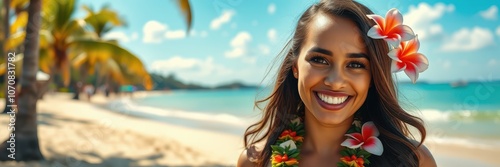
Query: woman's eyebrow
[321,50]
[329,53]
[357,55]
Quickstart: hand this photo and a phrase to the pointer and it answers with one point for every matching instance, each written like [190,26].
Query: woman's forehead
[333,31]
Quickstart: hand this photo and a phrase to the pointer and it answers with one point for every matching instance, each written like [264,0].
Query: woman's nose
[335,79]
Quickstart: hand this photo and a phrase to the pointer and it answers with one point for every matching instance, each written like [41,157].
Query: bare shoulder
[249,156]
[425,156]
[243,161]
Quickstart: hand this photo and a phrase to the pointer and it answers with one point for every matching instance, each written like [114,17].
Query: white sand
[78,132]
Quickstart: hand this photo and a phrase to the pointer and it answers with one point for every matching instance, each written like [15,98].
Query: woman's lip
[331,93]
[332,106]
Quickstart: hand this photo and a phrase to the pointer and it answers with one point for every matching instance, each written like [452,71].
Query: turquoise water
[458,113]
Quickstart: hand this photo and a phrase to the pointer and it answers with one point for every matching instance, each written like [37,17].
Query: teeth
[332,99]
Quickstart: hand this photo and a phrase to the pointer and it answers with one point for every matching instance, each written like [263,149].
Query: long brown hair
[381,106]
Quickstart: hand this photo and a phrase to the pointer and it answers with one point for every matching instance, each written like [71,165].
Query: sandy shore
[79,133]
[82,133]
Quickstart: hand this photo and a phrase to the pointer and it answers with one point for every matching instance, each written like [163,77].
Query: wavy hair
[381,105]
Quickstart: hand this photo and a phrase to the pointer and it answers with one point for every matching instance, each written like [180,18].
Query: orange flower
[407,58]
[353,161]
[284,159]
[292,135]
[390,28]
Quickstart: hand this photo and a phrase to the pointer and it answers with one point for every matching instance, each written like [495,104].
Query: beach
[82,133]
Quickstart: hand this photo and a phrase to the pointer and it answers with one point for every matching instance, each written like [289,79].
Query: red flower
[290,134]
[284,159]
[406,58]
[391,29]
[367,139]
[353,161]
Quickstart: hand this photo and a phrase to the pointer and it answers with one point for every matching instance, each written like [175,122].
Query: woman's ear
[295,71]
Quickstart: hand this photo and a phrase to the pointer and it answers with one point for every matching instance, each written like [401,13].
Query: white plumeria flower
[290,144]
[296,121]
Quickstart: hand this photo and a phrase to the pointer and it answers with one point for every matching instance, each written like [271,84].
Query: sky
[238,40]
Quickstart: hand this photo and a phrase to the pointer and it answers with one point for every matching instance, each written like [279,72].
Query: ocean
[467,114]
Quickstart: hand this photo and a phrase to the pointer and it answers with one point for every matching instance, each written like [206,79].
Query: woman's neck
[323,139]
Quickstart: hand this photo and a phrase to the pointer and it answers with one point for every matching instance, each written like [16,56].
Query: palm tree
[26,131]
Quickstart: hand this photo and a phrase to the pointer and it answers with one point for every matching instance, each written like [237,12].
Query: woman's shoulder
[424,155]
[249,156]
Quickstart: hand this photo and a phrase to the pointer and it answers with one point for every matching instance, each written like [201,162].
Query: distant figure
[89,90]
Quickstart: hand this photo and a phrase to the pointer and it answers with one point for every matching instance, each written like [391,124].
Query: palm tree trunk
[26,132]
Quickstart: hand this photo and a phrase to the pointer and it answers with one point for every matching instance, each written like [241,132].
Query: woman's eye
[319,60]
[356,65]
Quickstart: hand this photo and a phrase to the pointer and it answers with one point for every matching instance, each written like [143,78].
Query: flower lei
[361,143]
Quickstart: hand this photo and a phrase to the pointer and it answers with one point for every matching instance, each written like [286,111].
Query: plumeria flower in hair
[407,58]
[391,29]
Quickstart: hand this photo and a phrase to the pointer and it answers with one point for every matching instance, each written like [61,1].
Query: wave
[127,106]
[433,115]
[470,142]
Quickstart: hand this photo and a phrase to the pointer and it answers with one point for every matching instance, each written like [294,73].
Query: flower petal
[394,53]
[289,143]
[355,136]
[374,32]
[394,42]
[411,71]
[411,46]
[407,33]
[369,129]
[373,145]
[397,66]
[296,120]
[393,18]
[379,20]
[419,60]
[351,143]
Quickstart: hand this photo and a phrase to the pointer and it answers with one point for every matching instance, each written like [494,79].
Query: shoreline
[81,132]
[78,132]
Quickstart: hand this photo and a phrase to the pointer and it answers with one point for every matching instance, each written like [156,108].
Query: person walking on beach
[334,102]
[89,91]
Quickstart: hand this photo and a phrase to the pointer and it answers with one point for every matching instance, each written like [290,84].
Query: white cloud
[191,69]
[498,30]
[422,18]
[223,18]
[490,13]
[435,29]
[175,34]
[466,40]
[271,8]
[117,35]
[271,34]
[175,62]
[264,49]
[239,45]
[153,31]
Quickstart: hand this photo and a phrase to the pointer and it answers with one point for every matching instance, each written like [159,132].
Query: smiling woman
[334,100]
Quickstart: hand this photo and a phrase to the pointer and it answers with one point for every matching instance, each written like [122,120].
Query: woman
[335,76]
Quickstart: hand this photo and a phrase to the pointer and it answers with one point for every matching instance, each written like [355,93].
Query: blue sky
[237,40]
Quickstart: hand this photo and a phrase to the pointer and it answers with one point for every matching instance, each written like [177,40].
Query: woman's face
[333,70]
